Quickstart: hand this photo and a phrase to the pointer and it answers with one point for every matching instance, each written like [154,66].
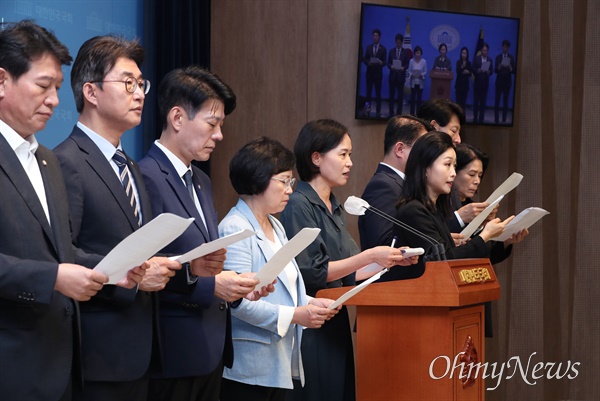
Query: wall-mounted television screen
[408,55]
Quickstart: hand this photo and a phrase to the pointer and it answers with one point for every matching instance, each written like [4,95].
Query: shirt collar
[107,148]
[313,197]
[16,141]
[180,167]
[400,173]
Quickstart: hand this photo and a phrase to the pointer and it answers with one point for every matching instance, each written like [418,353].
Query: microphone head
[356,206]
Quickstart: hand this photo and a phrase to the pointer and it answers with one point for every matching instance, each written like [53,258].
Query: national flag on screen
[407,43]
[479,44]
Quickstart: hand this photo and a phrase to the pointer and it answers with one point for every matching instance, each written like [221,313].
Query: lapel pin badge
[44,162]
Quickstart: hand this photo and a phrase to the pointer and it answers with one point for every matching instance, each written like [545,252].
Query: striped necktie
[121,162]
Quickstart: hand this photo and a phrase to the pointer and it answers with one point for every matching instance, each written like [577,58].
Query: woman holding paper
[266,333]
[471,164]
[322,151]
[425,203]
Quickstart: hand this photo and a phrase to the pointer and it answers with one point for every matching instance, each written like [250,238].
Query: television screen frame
[428,29]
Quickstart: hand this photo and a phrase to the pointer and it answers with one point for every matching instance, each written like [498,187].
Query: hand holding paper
[141,245]
[479,219]
[525,219]
[356,290]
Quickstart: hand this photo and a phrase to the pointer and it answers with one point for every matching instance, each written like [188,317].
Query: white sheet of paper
[397,64]
[479,219]
[485,66]
[372,267]
[508,185]
[142,244]
[210,247]
[289,251]
[525,219]
[356,290]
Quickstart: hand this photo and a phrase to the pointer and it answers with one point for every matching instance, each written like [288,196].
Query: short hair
[96,57]
[423,154]
[486,46]
[377,31]
[316,136]
[505,42]
[441,110]
[24,42]
[404,128]
[189,88]
[442,45]
[466,153]
[418,49]
[252,167]
[399,37]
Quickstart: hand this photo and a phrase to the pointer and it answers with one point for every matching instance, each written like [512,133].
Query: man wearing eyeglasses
[194,316]
[107,202]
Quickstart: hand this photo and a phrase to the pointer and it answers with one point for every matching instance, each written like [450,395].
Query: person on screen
[482,68]
[398,60]
[504,68]
[425,201]
[463,78]
[374,59]
[333,259]
[267,333]
[441,62]
[417,69]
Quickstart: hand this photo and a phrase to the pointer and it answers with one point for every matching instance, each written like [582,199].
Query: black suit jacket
[37,324]
[117,324]
[194,324]
[503,74]
[382,192]
[375,71]
[416,215]
[396,75]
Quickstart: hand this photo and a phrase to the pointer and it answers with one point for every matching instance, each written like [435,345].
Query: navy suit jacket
[382,192]
[117,324]
[195,325]
[37,339]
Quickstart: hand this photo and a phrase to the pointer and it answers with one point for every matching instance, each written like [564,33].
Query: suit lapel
[180,190]
[205,203]
[11,165]
[262,241]
[105,172]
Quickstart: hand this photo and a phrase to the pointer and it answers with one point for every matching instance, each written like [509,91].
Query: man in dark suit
[108,201]
[482,68]
[39,284]
[504,67]
[397,73]
[374,59]
[194,317]
[385,187]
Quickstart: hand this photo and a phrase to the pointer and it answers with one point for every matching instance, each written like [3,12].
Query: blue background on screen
[74,22]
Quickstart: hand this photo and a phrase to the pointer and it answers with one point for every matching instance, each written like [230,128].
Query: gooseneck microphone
[357,206]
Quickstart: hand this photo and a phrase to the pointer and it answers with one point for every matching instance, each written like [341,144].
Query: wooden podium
[441,81]
[403,326]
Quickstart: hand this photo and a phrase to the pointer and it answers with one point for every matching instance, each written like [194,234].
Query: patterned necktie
[121,162]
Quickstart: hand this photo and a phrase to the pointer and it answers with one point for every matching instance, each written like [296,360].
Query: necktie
[398,54]
[121,162]
[187,177]
[375,50]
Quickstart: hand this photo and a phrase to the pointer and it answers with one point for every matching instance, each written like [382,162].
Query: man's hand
[158,272]
[78,282]
[133,278]
[209,265]
[263,292]
[231,286]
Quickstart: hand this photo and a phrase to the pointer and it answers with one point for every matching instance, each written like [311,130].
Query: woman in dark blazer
[463,77]
[425,203]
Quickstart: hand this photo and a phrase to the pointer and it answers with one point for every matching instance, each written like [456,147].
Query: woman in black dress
[463,77]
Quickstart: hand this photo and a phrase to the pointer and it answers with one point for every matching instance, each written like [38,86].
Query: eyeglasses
[287,182]
[131,84]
